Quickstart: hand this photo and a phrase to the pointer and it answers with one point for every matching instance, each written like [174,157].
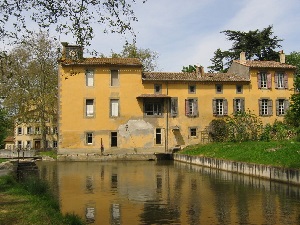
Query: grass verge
[276,153]
[30,202]
[51,153]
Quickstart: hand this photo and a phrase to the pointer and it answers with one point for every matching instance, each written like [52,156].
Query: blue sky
[187,32]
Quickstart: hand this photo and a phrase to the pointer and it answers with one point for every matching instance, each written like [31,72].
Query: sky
[185,32]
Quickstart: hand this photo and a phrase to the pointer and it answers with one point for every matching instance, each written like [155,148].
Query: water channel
[167,192]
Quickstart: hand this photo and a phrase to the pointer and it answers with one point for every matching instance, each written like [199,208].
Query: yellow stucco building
[111,103]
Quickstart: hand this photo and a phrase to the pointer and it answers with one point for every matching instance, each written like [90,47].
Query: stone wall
[285,175]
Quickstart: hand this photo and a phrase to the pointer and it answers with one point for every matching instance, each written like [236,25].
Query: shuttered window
[174,107]
[281,80]
[282,106]
[191,107]
[238,105]
[264,80]
[220,107]
[265,107]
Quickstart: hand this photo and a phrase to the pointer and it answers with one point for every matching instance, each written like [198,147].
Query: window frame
[219,88]
[19,131]
[156,105]
[239,86]
[281,77]
[29,130]
[264,80]
[160,134]
[191,107]
[216,107]
[241,106]
[89,80]
[193,132]
[192,88]
[114,81]
[265,107]
[174,107]
[89,107]
[89,135]
[111,101]
[157,88]
[113,135]
[281,109]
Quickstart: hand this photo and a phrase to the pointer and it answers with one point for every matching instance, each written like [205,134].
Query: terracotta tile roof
[265,64]
[207,77]
[103,61]
[153,96]
[9,139]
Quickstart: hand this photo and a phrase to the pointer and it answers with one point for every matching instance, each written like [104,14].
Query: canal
[167,192]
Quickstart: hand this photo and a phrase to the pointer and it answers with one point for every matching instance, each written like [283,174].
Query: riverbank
[30,202]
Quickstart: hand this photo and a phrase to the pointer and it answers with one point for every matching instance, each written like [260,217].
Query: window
[55,130]
[157,88]
[114,78]
[89,78]
[220,107]
[281,80]
[174,107]
[191,107]
[48,130]
[281,106]
[89,105]
[114,107]
[239,89]
[19,144]
[264,80]
[158,136]
[265,107]
[89,138]
[219,88]
[54,144]
[19,130]
[238,105]
[193,132]
[29,130]
[37,130]
[192,89]
[153,108]
[113,139]
[28,145]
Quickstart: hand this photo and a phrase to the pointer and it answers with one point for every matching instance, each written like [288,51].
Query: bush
[244,126]
[278,131]
[218,130]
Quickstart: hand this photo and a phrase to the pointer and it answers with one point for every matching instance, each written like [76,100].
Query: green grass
[30,202]
[52,153]
[276,153]
[3,160]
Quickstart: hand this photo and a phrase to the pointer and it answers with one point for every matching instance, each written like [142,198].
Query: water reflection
[168,193]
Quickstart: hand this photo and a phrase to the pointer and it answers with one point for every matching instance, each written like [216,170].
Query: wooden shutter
[270,107]
[276,80]
[225,107]
[174,106]
[269,80]
[242,105]
[187,107]
[214,107]
[286,105]
[259,80]
[277,107]
[286,84]
[234,106]
[260,106]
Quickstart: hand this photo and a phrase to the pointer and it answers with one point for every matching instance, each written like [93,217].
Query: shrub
[218,130]
[244,126]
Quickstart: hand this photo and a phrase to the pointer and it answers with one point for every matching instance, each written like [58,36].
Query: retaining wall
[291,176]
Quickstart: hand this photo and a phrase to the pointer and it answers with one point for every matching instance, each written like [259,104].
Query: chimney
[199,71]
[242,57]
[74,52]
[282,56]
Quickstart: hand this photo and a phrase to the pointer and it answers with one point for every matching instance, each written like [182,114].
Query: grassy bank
[30,202]
[275,153]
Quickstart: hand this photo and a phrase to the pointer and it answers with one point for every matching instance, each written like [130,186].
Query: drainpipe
[167,122]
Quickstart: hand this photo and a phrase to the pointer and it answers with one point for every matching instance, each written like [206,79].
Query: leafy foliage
[69,16]
[218,130]
[146,56]
[278,131]
[258,45]
[5,125]
[243,126]
[29,81]
[189,69]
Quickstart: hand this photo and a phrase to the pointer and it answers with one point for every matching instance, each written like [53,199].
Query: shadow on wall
[178,137]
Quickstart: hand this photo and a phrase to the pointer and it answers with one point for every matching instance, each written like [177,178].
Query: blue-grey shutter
[225,106]
[269,81]
[260,106]
[214,107]
[270,107]
[277,107]
[276,80]
[286,85]
[259,80]
[242,105]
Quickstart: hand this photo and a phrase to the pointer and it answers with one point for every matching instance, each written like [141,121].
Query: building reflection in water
[169,193]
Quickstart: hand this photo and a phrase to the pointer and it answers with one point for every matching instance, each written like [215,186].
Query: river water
[167,192]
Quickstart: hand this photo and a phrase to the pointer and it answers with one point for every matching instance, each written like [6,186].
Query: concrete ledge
[99,157]
[291,176]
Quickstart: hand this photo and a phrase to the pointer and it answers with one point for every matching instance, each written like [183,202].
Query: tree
[146,56]
[258,45]
[29,83]
[189,69]
[293,114]
[5,125]
[68,16]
